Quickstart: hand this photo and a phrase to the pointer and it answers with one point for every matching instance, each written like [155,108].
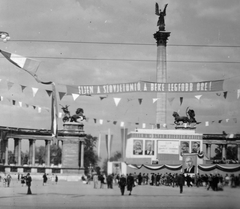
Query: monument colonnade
[70,140]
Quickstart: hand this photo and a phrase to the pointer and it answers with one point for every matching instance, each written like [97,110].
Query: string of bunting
[102,121]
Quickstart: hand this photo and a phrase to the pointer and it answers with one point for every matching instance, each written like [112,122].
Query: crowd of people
[215,182]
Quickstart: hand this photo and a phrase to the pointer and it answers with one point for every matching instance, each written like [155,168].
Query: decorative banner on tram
[144,86]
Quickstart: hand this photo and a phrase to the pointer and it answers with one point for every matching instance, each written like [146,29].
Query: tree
[90,155]
[55,154]
[40,154]
[116,157]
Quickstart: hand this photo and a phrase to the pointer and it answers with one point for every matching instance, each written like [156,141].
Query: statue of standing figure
[161,14]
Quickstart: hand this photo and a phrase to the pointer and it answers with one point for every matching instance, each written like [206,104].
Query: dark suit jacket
[137,153]
[147,152]
[192,170]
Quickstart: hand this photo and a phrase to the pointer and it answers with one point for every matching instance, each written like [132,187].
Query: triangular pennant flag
[219,121]
[9,84]
[23,87]
[225,94]
[49,92]
[95,120]
[227,120]
[27,105]
[181,100]
[144,125]
[238,93]
[206,123]
[34,107]
[154,100]
[39,109]
[75,96]
[20,104]
[140,101]
[60,115]
[26,64]
[218,94]
[198,96]
[61,95]
[122,124]
[34,91]
[13,102]
[114,122]
[117,100]
[170,100]
[101,121]
[1,98]
[164,125]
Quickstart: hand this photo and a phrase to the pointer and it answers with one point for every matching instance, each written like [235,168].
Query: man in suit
[190,168]
[149,150]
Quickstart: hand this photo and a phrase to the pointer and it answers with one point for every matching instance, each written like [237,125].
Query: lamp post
[4,36]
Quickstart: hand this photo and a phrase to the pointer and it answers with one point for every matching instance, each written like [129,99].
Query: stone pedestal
[72,152]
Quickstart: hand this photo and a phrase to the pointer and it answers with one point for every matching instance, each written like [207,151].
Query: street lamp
[4,36]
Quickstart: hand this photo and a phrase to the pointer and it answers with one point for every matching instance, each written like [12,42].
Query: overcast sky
[88,24]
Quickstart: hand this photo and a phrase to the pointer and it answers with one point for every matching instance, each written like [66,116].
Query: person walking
[22,180]
[181,180]
[44,179]
[28,183]
[56,179]
[130,183]
[9,178]
[122,183]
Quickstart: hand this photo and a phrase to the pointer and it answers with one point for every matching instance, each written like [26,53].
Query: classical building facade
[70,140]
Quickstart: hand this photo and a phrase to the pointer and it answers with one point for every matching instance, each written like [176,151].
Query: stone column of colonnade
[208,151]
[32,145]
[47,151]
[224,147]
[17,150]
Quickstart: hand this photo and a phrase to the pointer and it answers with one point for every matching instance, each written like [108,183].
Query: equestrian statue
[188,119]
[78,117]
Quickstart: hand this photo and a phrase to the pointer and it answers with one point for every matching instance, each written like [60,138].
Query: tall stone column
[16,150]
[161,68]
[47,151]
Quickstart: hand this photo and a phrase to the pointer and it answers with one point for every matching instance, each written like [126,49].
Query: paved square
[78,195]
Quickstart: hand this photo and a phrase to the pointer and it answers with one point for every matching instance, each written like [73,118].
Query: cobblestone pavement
[78,195]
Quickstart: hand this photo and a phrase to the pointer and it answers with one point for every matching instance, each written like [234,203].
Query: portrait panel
[184,146]
[195,146]
[189,164]
[137,147]
[149,147]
